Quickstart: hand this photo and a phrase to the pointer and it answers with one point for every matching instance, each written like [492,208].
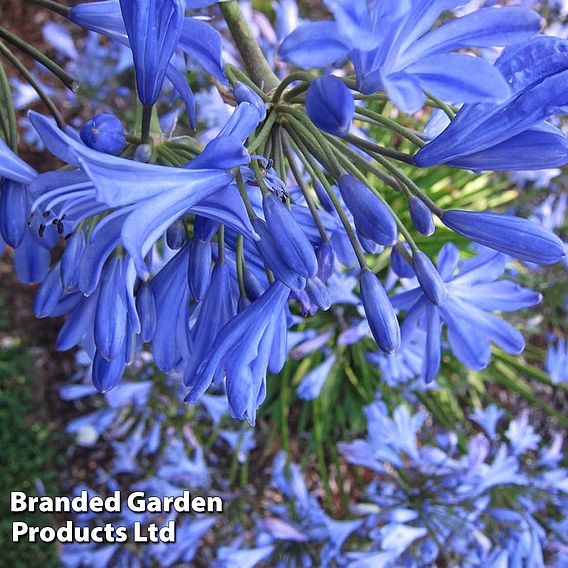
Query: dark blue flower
[111,315]
[167,29]
[330,105]
[71,260]
[154,28]
[400,263]
[13,212]
[176,235]
[104,133]
[216,309]
[325,254]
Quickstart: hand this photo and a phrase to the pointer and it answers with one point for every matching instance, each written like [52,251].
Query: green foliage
[26,457]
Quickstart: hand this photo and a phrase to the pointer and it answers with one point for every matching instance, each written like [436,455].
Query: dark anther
[41,230]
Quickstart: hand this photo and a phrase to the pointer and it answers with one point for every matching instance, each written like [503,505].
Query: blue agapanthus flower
[154,30]
[31,239]
[393,47]
[513,134]
[471,295]
[428,490]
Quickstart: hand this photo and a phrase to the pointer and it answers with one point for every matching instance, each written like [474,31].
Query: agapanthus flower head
[393,47]
[104,133]
[330,105]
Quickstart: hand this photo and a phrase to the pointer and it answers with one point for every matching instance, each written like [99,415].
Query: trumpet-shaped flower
[241,351]
[393,47]
[154,29]
[513,134]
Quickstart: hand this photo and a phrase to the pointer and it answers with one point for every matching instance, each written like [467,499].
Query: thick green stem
[253,59]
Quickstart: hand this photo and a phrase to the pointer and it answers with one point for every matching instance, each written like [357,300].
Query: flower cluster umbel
[205,253]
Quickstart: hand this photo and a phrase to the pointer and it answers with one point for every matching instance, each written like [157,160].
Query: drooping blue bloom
[380,313]
[176,235]
[31,257]
[111,315]
[241,351]
[515,236]
[154,29]
[392,48]
[216,309]
[330,105]
[289,238]
[421,217]
[146,309]
[318,293]
[71,259]
[14,210]
[325,254]
[270,253]
[399,262]
[104,133]
[471,295]
[513,134]
[372,217]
